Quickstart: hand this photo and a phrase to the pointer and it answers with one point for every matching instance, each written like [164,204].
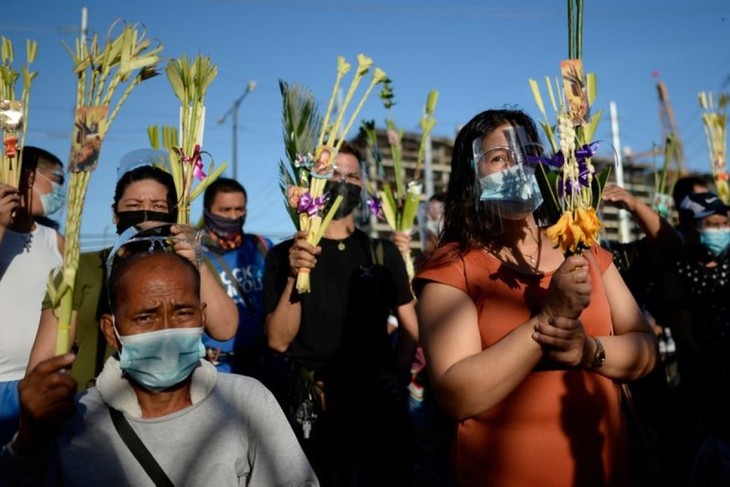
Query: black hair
[125,265]
[683,187]
[144,173]
[347,148]
[440,197]
[221,185]
[35,156]
[463,223]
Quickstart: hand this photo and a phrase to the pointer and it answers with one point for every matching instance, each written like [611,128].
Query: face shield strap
[134,240]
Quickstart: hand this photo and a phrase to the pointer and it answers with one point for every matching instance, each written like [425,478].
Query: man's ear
[115,218]
[106,323]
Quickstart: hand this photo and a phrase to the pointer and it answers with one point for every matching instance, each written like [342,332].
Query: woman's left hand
[563,340]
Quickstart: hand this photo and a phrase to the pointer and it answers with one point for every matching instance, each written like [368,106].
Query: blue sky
[477,54]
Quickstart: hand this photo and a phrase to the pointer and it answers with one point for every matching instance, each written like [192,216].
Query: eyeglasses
[496,156]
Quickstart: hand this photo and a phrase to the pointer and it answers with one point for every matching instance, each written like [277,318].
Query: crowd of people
[194,360]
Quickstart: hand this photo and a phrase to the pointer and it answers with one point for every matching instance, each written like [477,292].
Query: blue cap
[702,205]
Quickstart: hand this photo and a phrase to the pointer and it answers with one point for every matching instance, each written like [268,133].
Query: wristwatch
[599,356]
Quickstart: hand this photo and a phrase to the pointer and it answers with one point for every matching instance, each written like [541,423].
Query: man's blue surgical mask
[53,201]
[161,359]
[715,239]
[514,190]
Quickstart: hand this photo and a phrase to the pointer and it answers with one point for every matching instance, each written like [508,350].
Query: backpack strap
[377,250]
[261,245]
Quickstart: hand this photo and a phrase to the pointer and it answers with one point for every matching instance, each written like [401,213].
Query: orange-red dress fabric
[559,427]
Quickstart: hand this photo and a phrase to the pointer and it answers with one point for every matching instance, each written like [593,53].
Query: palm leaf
[301,123]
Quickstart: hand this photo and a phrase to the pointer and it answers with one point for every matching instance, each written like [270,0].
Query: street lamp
[234,113]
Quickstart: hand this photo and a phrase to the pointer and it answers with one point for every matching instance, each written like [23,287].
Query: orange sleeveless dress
[559,427]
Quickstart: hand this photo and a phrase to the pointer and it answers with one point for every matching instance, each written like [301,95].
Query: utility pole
[623,215]
[84,22]
[233,111]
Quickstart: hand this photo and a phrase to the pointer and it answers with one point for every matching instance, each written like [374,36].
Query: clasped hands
[559,331]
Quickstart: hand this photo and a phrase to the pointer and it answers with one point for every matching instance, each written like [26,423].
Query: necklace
[536,252]
[341,245]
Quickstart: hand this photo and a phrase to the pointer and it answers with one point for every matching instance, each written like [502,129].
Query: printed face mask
[223,227]
[351,194]
[513,191]
[127,219]
[715,239]
[160,359]
[53,201]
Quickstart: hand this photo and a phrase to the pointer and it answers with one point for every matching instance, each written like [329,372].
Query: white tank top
[26,260]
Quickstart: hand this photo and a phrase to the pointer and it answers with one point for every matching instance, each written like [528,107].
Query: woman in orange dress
[525,346]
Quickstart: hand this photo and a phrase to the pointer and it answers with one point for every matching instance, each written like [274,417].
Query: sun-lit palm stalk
[311,167]
[399,207]
[126,59]
[190,81]
[574,188]
[714,119]
[13,111]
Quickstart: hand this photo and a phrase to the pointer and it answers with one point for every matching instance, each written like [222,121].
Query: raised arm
[44,346]
[662,236]
[9,201]
[222,311]
[282,324]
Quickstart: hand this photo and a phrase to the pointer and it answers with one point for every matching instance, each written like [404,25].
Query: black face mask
[351,194]
[226,228]
[126,219]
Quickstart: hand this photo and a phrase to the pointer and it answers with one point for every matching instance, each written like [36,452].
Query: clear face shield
[150,239]
[504,163]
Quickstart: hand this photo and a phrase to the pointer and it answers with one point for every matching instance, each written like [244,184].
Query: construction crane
[669,125]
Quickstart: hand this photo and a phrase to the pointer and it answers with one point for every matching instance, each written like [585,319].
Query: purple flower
[376,206]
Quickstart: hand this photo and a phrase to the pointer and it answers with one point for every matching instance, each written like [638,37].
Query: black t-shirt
[705,293]
[344,316]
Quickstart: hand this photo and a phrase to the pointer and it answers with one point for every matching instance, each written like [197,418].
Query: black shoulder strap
[140,452]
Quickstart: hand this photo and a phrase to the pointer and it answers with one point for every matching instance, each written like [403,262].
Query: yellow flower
[557,232]
[575,231]
[589,223]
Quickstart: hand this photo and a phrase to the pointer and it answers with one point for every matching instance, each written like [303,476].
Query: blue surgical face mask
[513,190]
[715,239]
[160,359]
[53,201]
